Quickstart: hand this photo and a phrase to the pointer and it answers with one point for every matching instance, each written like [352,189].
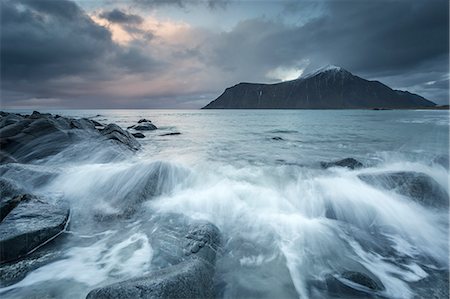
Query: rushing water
[268,197]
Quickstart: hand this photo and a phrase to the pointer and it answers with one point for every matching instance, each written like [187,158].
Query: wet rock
[29,176]
[7,205]
[144,127]
[15,271]
[114,132]
[351,284]
[277,138]
[6,158]
[97,124]
[143,120]
[40,135]
[191,278]
[347,162]
[171,134]
[138,135]
[30,224]
[416,185]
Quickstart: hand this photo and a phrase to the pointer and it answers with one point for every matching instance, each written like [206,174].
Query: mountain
[331,87]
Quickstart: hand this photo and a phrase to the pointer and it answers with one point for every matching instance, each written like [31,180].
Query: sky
[182,54]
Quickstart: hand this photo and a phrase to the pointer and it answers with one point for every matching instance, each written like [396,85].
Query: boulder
[144,127]
[30,224]
[190,278]
[416,185]
[143,120]
[114,132]
[9,198]
[347,162]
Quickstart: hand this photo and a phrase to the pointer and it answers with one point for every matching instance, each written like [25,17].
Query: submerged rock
[30,224]
[171,134]
[416,185]
[190,278]
[347,162]
[351,284]
[277,138]
[138,135]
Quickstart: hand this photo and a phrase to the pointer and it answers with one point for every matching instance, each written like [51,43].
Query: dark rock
[143,120]
[191,278]
[15,271]
[6,158]
[138,135]
[171,134]
[7,205]
[277,138]
[82,123]
[97,124]
[40,135]
[329,88]
[29,225]
[30,176]
[144,127]
[114,132]
[347,162]
[416,185]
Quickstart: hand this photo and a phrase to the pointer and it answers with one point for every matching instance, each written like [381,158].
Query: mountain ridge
[331,87]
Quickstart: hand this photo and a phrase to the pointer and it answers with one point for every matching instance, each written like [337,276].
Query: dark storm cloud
[118,16]
[53,52]
[49,40]
[376,39]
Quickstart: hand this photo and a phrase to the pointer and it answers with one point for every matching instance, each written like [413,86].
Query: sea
[256,175]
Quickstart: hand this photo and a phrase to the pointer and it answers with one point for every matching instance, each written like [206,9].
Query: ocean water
[269,198]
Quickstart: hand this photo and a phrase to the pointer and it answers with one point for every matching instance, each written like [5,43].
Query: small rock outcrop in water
[29,223]
[191,278]
[144,125]
[331,87]
[347,162]
[138,135]
[171,134]
[418,186]
[24,138]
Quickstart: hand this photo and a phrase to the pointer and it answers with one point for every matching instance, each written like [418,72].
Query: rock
[277,138]
[27,138]
[143,120]
[351,284]
[144,127]
[171,134]
[97,124]
[7,205]
[416,185]
[29,225]
[347,162]
[138,135]
[191,278]
[114,132]
[6,158]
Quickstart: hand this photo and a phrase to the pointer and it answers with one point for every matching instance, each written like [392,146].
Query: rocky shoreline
[32,225]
